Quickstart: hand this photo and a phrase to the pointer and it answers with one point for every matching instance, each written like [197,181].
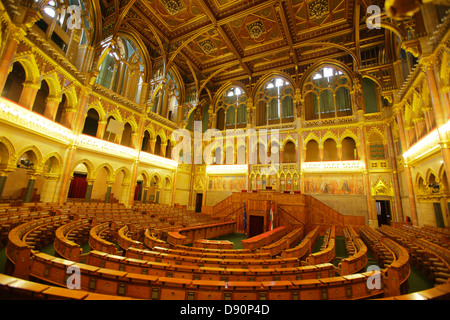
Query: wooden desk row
[358,260]
[16,288]
[18,251]
[286,242]
[327,254]
[304,248]
[266,238]
[243,261]
[65,247]
[99,244]
[121,283]
[176,269]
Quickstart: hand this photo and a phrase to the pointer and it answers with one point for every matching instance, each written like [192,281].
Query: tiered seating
[304,248]
[265,238]
[427,256]
[206,268]
[327,252]
[372,238]
[123,283]
[286,242]
[68,238]
[357,253]
[171,271]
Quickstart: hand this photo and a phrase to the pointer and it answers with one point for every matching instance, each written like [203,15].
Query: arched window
[122,70]
[146,141]
[157,150]
[275,102]
[14,83]
[330,150]
[67,21]
[108,135]
[289,152]
[312,151]
[233,102]
[61,109]
[349,151]
[220,120]
[327,94]
[126,135]
[40,101]
[91,123]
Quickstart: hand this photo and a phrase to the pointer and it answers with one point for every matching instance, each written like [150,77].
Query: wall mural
[334,184]
[226,183]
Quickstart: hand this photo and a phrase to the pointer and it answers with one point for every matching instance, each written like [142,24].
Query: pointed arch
[89,167]
[109,170]
[126,174]
[310,136]
[97,106]
[59,162]
[34,152]
[349,134]
[146,176]
[54,85]
[7,154]
[32,72]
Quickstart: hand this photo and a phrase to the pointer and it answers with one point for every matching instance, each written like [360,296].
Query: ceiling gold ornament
[318,8]
[256,29]
[173,6]
[207,46]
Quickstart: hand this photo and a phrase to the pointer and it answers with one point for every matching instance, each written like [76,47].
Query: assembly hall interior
[224,149]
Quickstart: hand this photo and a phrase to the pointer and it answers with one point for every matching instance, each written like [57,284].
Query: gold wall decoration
[382,188]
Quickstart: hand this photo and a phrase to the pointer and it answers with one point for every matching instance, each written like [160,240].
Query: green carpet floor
[236,238]
[317,245]
[417,281]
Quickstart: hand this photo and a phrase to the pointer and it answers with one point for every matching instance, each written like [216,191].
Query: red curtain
[136,192]
[78,186]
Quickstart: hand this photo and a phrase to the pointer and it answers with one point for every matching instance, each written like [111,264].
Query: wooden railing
[358,260]
[65,247]
[97,243]
[305,247]
[327,253]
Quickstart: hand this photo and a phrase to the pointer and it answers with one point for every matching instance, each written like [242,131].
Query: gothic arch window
[168,97]
[327,94]
[68,24]
[14,83]
[349,150]
[122,70]
[289,153]
[127,135]
[233,103]
[312,151]
[61,109]
[275,102]
[330,150]
[91,122]
[41,98]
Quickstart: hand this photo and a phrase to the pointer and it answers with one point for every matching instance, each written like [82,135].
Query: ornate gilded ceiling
[241,39]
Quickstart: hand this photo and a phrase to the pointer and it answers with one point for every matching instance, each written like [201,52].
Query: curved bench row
[96,242]
[133,285]
[174,269]
[22,240]
[430,258]
[327,252]
[266,238]
[67,248]
[286,242]
[304,248]
[243,260]
[12,287]
[358,255]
